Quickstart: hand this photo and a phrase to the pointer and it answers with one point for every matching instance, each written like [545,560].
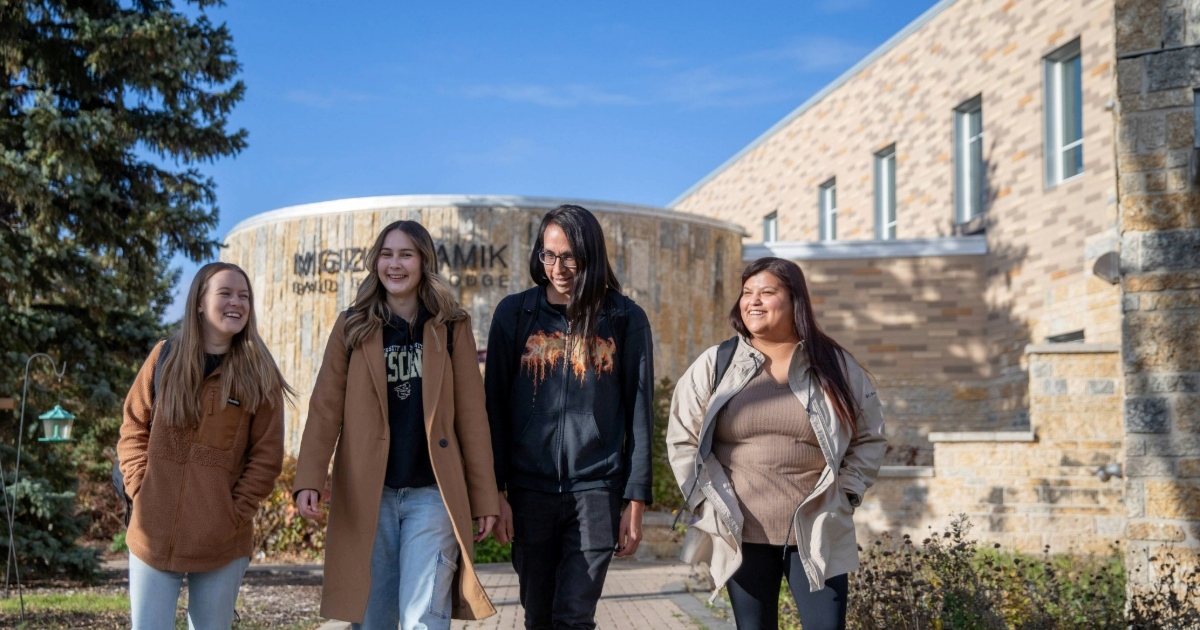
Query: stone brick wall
[907,96]
[917,323]
[306,263]
[1024,490]
[1042,242]
[1158,51]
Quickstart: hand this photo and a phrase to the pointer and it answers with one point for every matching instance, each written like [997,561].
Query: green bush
[46,526]
[488,550]
[952,581]
[278,527]
[667,497]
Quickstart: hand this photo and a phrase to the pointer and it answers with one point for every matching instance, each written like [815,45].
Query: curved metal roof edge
[845,77]
[357,204]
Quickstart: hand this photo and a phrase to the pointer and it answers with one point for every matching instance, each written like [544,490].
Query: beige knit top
[768,448]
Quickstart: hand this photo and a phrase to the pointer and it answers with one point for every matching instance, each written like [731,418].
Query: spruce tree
[107,109]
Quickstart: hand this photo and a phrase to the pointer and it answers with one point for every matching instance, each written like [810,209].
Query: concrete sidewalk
[637,594]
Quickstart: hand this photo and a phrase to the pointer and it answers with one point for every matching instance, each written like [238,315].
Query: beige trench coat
[824,525]
[349,410]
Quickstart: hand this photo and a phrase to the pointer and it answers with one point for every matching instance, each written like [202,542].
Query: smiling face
[399,265]
[766,308]
[562,280]
[224,306]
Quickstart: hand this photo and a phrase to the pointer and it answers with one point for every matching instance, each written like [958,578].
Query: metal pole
[10,509]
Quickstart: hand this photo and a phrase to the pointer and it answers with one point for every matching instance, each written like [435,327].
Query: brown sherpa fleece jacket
[195,491]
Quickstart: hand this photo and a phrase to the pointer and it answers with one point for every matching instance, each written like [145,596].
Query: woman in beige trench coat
[402,407]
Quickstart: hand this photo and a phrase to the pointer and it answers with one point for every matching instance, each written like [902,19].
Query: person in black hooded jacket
[570,385]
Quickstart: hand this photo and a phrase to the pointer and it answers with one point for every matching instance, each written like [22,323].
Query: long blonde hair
[248,372]
[370,309]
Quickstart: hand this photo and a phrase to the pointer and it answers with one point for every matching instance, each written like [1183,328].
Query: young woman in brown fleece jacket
[199,454]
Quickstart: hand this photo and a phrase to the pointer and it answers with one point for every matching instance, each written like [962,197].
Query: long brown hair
[248,371]
[594,276]
[826,356]
[370,309]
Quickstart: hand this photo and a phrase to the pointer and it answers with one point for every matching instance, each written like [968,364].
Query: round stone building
[306,262]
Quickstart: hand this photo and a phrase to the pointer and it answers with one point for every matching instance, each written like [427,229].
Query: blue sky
[617,101]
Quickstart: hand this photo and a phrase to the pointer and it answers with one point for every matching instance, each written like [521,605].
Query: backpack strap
[618,313]
[449,339]
[526,318]
[724,358]
[158,368]
[118,478]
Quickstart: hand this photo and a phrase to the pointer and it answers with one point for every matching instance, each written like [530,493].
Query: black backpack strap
[449,339]
[618,312]
[526,318]
[157,378]
[724,358]
[118,478]
[620,315]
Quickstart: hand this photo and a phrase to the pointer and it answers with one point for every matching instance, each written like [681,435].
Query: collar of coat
[433,366]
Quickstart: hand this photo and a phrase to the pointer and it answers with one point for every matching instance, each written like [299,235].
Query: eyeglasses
[549,258]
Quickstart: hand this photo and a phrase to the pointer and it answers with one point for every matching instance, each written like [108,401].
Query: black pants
[754,591]
[562,544]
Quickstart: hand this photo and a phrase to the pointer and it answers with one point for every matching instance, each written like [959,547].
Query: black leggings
[754,591]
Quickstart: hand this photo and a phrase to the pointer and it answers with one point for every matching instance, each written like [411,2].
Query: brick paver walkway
[637,594]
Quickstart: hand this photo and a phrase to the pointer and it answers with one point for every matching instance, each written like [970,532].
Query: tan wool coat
[195,491]
[348,420]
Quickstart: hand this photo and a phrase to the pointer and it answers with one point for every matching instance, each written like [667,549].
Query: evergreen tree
[106,109]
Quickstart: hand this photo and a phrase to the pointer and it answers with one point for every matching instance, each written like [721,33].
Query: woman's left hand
[485,525]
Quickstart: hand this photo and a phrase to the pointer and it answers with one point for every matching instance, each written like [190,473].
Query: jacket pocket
[207,522]
[535,450]
[218,429]
[698,542]
[588,454]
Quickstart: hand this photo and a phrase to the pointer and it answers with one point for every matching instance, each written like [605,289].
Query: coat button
[443,443]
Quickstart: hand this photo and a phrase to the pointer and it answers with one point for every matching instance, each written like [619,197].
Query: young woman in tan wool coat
[201,446]
[403,406]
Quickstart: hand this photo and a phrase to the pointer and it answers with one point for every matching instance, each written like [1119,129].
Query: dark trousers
[754,591]
[562,544]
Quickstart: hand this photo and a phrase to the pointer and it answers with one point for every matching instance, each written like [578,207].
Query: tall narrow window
[827,200]
[1196,118]
[885,194]
[1064,114]
[771,227]
[968,159]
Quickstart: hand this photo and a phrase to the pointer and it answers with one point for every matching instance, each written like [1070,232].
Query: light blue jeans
[413,562]
[154,595]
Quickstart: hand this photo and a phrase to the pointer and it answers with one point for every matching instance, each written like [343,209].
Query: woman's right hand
[309,504]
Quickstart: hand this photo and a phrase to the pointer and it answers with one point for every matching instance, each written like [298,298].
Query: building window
[968,159]
[1071,337]
[1196,118]
[771,227]
[885,194]
[1064,114]
[827,200]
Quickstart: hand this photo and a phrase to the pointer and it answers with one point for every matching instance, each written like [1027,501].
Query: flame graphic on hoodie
[544,352]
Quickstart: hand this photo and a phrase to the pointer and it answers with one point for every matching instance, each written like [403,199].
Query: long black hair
[593,273]
[826,356]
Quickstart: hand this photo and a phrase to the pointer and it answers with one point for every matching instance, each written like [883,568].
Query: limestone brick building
[998,214]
